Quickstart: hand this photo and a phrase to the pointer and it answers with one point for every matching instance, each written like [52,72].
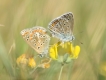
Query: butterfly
[62,27]
[37,38]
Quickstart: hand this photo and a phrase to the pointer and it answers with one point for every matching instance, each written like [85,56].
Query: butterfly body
[62,27]
[37,38]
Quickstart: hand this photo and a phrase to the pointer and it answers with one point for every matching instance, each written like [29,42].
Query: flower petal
[75,52]
[22,60]
[32,62]
[53,51]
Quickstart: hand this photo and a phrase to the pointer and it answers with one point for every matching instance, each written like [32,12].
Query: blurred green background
[89,28]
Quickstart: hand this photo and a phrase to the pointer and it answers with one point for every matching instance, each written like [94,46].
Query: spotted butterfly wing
[37,38]
[62,27]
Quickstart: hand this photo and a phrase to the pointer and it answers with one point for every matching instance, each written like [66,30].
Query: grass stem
[60,72]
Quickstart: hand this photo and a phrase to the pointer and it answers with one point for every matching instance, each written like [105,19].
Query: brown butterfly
[62,27]
[37,38]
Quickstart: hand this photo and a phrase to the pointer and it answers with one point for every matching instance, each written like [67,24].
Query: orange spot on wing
[39,31]
[54,23]
[31,36]
[25,33]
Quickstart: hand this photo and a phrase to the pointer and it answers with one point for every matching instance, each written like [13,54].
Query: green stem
[33,70]
[70,69]
[60,72]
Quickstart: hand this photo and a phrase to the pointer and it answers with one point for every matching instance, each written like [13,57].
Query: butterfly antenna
[79,32]
[77,39]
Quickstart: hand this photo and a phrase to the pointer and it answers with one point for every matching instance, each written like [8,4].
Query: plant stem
[33,70]
[60,72]
[69,71]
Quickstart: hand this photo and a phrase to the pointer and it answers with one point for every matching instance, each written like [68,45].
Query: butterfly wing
[62,26]
[37,38]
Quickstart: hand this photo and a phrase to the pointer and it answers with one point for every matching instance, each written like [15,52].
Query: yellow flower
[22,60]
[58,50]
[32,62]
[25,60]
[53,51]
[73,51]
